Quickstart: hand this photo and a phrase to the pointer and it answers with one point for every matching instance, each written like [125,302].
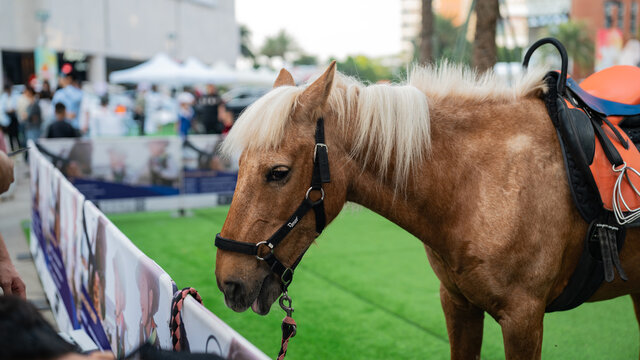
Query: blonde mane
[389,122]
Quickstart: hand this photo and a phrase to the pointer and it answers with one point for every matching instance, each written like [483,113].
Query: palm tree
[426,32]
[278,45]
[245,43]
[484,45]
[575,36]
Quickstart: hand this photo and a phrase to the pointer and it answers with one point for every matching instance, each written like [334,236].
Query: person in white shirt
[103,122]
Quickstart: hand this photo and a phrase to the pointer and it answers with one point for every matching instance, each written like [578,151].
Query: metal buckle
[269,245]
[306,196]
[315,149]
[287,271]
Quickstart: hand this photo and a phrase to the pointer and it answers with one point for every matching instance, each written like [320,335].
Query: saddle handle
[563,55]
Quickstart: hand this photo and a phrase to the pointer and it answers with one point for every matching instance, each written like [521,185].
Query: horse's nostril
[233,289]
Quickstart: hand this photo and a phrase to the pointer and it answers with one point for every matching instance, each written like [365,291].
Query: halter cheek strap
[321,175]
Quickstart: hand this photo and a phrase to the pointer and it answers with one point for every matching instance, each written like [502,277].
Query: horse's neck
[443,189]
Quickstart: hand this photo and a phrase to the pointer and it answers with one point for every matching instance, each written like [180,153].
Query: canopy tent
[160,69]
[223,73]
[195,72]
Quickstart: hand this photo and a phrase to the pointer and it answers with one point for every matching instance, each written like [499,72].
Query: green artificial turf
[366,291]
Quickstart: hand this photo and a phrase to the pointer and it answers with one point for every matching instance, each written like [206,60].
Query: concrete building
[99,36]
[606,14]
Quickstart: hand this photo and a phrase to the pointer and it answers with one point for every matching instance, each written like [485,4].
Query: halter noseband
[320,176]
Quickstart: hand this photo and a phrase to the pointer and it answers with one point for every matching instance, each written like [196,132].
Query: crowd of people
[69,111]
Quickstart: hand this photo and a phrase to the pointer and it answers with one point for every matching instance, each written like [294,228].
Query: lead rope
[289,326]
[178,335]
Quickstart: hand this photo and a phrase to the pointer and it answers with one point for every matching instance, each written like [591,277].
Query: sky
[328,27]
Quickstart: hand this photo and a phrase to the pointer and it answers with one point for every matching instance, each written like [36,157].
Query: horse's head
[277,138]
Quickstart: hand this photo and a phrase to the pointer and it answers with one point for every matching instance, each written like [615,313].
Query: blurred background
[136,62]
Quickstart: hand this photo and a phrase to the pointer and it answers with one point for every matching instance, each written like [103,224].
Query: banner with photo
[208,334]
[205,170]
[94,277]
[144,167]
[97,280]
[112,168]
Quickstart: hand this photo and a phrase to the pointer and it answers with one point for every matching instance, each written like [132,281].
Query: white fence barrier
[97,280]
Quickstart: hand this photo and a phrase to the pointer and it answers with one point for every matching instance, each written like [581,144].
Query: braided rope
[178,338]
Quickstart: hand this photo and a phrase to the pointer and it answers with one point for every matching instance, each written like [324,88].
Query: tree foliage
[574,35]
[278,45]
[365,68]
[306,59]
[245,42]
[448,43]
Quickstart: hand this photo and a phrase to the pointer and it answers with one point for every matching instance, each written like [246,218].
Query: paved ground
[14,209]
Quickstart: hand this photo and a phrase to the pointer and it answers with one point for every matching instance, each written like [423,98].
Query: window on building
[620,15]
[633,19]
[608,14]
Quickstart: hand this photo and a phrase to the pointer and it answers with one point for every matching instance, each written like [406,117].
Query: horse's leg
[636,305]
[522,330]
[464,325]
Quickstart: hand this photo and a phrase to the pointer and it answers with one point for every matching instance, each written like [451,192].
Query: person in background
[26,335]
[103,122]
[210,106]
[10,280]
[71,96]
[45,92]
[22,103]
[185,114]
[60,128]
[8,106]
[139,108]
[33,120]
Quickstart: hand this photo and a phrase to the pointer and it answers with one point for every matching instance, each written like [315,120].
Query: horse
[468,165]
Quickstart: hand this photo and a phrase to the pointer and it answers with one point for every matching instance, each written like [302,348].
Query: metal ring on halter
[619,167]
[306,196]
[269,245]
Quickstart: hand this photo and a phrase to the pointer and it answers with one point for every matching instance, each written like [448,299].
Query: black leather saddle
[581,121]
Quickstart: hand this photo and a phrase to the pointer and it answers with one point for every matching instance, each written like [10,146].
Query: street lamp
[42,16]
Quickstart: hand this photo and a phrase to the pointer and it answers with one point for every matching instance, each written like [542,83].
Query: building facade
[521,21]
[607,14]
[99,36]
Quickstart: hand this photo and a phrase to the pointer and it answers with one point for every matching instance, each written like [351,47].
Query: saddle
[598,127]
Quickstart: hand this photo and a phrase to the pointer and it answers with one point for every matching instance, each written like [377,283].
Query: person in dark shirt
[209,107]
[61,128]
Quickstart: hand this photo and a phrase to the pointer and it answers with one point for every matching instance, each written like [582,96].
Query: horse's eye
[277,173]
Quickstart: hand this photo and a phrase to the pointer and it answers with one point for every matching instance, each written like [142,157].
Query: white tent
[162,70]
[223,73]
[158,70]
[262,76]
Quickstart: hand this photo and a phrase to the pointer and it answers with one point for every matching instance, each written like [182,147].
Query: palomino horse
[471,167]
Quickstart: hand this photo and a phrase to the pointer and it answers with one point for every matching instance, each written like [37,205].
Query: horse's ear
[316,94]
[284,79]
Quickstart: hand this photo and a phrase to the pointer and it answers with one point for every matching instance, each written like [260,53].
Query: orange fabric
[605,177]
[620,84]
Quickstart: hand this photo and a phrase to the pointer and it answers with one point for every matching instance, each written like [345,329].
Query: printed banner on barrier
[94,277]
[119,167]
[97,280]
[208,334]
[205,170]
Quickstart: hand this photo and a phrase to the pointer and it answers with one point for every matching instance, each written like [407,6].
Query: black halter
[320,176]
